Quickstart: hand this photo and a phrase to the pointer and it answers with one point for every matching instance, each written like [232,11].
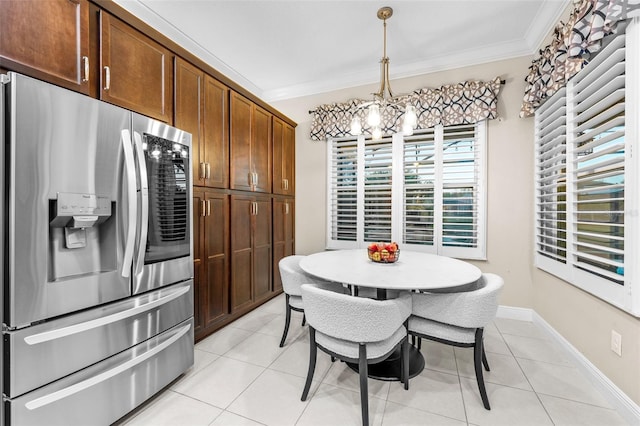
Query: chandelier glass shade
[384,97]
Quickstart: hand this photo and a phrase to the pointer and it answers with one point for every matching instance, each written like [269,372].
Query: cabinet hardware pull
[250,179]
[286,208]
[208,207]
[203,172]
[202,209]
[255,182]
[85,67]
[107,78]
[256,204]
[208,173]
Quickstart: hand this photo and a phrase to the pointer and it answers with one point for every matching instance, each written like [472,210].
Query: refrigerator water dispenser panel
[75,213]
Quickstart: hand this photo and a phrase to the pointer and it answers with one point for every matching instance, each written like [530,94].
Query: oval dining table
[412,271]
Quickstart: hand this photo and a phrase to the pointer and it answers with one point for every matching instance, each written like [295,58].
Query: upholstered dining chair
[293,277]
[458,319]
[356,330]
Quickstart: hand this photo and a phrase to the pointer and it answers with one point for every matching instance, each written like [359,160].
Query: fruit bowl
[383,252]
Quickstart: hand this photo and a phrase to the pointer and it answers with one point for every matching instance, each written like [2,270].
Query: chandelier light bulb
[356,126]
[373,118]
[410,116]
[407,129]
[376,133]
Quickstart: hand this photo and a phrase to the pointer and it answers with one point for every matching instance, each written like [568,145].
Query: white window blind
[437,203]
[586,176]
[343,186]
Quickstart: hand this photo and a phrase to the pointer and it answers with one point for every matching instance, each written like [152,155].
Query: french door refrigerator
[97,256]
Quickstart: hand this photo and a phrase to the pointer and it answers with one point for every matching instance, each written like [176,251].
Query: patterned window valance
[462,103]
[571,47]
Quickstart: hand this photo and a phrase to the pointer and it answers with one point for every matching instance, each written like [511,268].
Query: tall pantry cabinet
[242,152]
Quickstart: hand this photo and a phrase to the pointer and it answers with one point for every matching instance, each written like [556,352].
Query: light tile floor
[242,377]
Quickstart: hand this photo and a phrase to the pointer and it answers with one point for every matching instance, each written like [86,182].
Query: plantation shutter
[343,183]
[419,161]
[460,187]
[597,135]
[551,178]
[377,190]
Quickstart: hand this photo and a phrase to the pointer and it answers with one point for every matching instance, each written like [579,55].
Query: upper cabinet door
[188,103]
[242,176]
[48,40]
[136,72]
[216,133]
[261,149]
[283,157]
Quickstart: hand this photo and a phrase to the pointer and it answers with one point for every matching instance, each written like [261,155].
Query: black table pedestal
[391,368]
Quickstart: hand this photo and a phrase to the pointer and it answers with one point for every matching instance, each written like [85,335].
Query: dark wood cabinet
[250,250]
[283,235]
[201,108]
[216,133]
[48,40]
[284,153]
[211,259]
[251,146]
[136,72]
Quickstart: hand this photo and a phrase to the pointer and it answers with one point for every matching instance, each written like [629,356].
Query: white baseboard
[616,397]
[521,314]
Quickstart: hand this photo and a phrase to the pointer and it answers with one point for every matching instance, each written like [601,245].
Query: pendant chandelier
[384,97]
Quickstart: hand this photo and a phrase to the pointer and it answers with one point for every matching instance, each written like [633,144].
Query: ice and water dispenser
[82,236]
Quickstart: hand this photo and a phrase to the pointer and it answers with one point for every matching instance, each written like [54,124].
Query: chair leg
[286,322]
[478,351]
[419,343]
[312,362]
[405,362]
[364,386]
[304,319]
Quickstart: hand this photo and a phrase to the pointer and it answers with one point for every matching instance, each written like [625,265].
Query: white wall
[583,320]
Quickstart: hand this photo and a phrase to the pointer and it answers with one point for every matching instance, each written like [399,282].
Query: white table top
[414,270]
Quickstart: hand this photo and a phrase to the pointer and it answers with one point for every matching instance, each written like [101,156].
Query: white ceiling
[286,49]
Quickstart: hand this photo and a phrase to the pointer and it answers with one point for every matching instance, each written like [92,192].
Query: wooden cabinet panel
[137,72]
[188,103]
[201,108]
[211,259]
[216,133]
[283,235]
[283,157]
[261,150]
[216,242]
[250,250]
[262,248]
[241,111]
[48,40]
[250,141]
[241,251]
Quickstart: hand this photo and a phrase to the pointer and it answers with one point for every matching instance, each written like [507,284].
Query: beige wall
[583,320]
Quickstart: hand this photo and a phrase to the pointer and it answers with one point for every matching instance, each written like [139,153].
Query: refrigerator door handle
[144,203]
[131,200]
[92,381]
[101,322]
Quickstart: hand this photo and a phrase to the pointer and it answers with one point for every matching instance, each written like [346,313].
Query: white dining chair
[293,277]
[356,330]
[458,319]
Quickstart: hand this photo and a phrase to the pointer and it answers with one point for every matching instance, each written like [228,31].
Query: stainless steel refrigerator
[97,256]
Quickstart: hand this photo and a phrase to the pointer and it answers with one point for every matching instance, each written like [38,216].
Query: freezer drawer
[102,393]
[41,354]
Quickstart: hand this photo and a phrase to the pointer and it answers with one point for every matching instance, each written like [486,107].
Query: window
[426,192]
[586,176]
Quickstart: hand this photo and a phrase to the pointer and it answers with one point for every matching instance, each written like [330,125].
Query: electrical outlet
[616,342]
